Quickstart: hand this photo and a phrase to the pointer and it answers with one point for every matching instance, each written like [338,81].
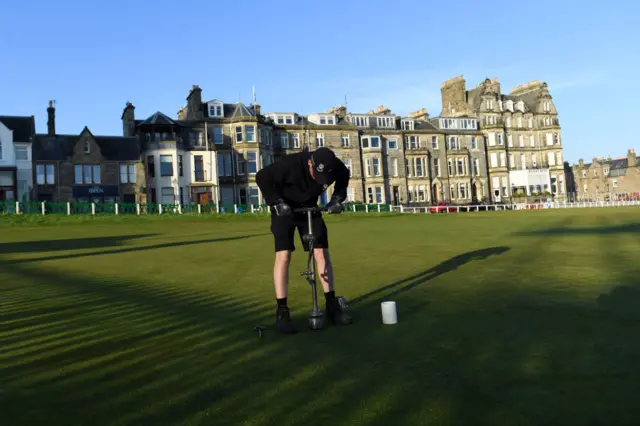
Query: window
[238,134]
[494,159]
[500,139]
[549,138]
[408,167]
[198,168]
[394,167]
[241,163]
[530,122]
[392,143]
[615,183]
[319,140]
[224,164]
[421,193]
[376,166]
[452,190]
[413,142]
[252,163]
[556,139]
[419,162]
[378,194]
[166,165]
[434,142]
[350,194]
[532,141]
[215,110]
[519,122]
[151,166]
[347,163]
[474,143]
[87,146]
[508,122]
[284,140]
[375,142]
[476,167]
[534,160]
[180,166]
[45,174]
[450,161]
[217,135]
[503,159]
[492,139]
[460,166]
[559,160]
[453,143]
[289,119]
[523,162]
[254,195]
[21,153]
[127,173]
[436,167]
[87,174]
[295,140]
[407,124]
[463,190]
[512,161]
[250,132]
[0,149]
[521,141]
[345,140]
[167,195]
[510,140]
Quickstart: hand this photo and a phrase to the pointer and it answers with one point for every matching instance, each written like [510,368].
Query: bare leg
[325,268]
[281,273]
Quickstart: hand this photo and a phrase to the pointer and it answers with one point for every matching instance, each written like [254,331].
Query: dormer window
[87,146]
[510,105]
[215,109]
[520,106]
[407,125]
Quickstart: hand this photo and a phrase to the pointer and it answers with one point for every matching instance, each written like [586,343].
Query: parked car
[443,207]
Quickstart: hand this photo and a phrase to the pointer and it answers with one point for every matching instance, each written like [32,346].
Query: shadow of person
[449,265]
[39,246]
[623,300]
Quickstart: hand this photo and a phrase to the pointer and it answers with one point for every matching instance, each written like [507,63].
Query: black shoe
[335,313]
[283,321]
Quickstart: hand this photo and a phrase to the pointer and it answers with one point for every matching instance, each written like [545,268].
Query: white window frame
[319,140]
[345,140]
[393,139]
[295,140]
[434,142]
[284,140]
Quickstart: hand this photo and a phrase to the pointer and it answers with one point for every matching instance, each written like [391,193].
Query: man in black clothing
[295,181]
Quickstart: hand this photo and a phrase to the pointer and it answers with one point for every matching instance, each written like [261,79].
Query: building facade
[522,135]
[86,167]
[605,179]
[16,136]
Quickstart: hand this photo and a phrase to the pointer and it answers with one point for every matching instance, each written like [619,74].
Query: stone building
[522,135]
[605,179]
[16,173]
[86,167]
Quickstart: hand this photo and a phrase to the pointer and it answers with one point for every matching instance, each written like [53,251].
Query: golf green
[504,318]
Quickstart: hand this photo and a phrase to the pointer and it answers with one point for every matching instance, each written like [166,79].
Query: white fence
[519,206]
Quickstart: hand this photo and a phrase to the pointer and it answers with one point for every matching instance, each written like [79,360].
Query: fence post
[199,208]
[179,208]
[401,208]
[117,209]
[218,207]
[17,207]
[366,208]
[138,209]
[251,208]
[235,208]
[93,209]
[354,207]
[42,208]
[378,208]
[159,208]
[68,209]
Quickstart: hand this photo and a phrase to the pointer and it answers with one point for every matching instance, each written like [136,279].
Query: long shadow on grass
[68,244]
[135,353]
[629,228]
[134,249]
[449,265]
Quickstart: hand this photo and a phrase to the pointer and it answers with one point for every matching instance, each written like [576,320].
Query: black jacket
[289,179]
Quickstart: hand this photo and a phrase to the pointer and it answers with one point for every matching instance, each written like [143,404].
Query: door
[203,198]
[396,195]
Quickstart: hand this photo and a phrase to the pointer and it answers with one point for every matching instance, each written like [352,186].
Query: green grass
[505,318]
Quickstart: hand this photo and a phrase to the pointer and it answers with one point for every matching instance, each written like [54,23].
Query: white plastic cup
[389,314]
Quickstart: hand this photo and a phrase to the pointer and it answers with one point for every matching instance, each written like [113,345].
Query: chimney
[194,103]
[581,163]
[51,122]
[128,120]
[256,109]
[632,160]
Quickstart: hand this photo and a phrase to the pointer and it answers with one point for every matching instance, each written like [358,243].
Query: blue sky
[94,56]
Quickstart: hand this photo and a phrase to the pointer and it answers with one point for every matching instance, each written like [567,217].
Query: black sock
[330,295]
[282,303]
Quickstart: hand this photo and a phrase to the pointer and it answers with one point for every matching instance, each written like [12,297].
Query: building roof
[23,127]
[60,147]
[158,119]
[241,110]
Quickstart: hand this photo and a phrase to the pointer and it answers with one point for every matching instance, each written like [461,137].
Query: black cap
[324,162]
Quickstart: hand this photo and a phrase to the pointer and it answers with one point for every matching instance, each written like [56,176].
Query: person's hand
[334,206]
[282,208]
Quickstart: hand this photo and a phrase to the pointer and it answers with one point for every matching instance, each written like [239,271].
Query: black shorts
[283,229]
